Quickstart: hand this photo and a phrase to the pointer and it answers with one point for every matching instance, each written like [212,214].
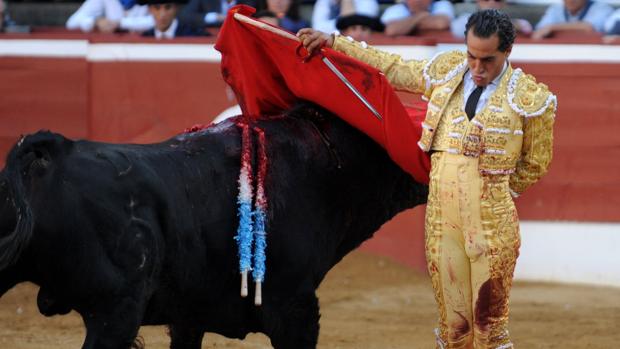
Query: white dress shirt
[469,86]
[136,18]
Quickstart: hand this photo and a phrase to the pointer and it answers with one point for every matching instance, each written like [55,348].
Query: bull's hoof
[49,306]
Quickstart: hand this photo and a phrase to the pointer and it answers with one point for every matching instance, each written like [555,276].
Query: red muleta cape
[269,73]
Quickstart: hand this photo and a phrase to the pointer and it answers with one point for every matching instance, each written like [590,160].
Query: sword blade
[343,78]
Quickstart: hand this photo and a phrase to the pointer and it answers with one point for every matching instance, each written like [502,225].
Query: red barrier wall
[582,183]
[142,102]
[42,93]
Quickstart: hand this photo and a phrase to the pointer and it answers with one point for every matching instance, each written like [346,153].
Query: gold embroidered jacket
[512,135]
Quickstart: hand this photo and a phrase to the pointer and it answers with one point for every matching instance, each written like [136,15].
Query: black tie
[472,102]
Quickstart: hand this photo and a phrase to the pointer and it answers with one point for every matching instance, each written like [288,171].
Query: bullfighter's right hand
[314,39]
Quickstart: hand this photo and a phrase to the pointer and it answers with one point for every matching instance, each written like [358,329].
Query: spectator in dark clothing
[8,25]
[287,12]
[359,27]
[209,13]
[3,14]
[167,26]
[267,17]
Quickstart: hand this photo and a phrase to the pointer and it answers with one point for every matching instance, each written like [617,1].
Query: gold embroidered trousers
[472,243]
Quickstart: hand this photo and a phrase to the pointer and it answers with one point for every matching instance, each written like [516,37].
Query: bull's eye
[38,166]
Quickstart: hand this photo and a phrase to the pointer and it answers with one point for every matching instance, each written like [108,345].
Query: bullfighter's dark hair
[485,23]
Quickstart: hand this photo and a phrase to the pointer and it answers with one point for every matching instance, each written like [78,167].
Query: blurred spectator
[573,15]
[326,12]
[167,25]
[412,15]
[458,25]
[359,27]
[4,15]
[287,12]
[108,16]
[612,26]
[267,17]
[209,13]
[6,24]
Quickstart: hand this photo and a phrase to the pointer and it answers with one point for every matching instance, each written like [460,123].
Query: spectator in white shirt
[108,16]
[612,25]
[326,12]
[458,25]
[412,15]
[612,28]
[573,15]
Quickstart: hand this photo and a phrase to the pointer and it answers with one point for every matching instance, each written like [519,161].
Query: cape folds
[269,73]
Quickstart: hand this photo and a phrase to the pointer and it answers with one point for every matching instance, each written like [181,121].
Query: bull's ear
[35,161]
[36,152]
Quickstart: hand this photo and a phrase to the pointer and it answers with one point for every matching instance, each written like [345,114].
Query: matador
[489,129]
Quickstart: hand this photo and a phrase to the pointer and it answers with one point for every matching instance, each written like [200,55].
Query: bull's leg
[185,337]
[113,327]
[298,327]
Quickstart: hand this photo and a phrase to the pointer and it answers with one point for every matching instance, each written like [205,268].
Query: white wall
[570,252]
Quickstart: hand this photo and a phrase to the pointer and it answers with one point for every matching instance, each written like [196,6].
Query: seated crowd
[166,19]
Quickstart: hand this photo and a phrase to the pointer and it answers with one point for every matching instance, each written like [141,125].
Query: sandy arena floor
[367,302]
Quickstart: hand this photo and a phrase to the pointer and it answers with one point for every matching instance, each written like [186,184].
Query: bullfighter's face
[484,58]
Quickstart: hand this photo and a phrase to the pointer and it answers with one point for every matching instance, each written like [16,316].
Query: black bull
[130,235]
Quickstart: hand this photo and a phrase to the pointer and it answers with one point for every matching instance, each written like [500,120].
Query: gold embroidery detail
[444,64]
[531,96]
